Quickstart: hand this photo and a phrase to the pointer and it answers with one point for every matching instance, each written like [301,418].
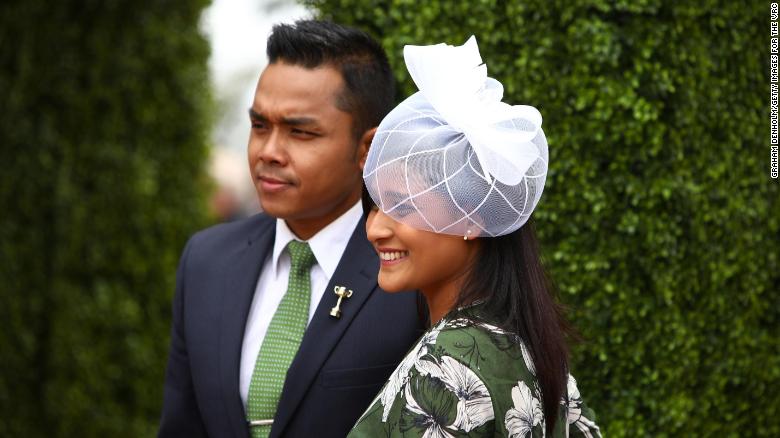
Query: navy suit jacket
[340,366]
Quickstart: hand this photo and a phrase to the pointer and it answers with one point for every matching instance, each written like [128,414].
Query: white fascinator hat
[453,158]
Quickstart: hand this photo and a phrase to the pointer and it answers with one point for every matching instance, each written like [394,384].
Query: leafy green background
[103,127]
[659,220]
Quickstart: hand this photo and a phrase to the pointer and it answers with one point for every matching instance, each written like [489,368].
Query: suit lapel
[241,275]
[357,271]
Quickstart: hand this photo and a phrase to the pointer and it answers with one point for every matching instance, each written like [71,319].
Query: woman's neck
[440,300]
[441,297]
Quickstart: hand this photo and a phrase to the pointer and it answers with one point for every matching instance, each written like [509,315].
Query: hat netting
[423,169]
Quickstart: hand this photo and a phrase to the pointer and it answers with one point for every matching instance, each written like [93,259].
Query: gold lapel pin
[342,293]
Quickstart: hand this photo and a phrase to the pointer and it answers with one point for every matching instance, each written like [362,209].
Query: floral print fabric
[468,378]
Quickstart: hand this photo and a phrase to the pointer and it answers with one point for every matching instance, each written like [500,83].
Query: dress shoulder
[487,349]
[443,386]
[463,378]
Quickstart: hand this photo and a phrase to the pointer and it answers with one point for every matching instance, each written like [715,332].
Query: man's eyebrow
[299,121]
[256,116]
[290,121]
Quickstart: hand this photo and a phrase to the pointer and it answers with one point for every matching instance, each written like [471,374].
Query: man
[246,291]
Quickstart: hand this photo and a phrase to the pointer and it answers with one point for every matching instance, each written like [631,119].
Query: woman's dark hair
[369,90]
[366,201]
[508,277]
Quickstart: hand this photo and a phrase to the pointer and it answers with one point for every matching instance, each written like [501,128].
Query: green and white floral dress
[468,378]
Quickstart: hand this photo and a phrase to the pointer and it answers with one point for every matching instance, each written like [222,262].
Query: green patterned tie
[282,340]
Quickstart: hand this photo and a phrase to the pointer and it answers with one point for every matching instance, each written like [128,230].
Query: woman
[452,177]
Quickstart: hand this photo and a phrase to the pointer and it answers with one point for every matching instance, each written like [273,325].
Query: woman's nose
[378,226]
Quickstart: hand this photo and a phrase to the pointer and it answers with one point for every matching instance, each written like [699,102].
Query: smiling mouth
[389,256]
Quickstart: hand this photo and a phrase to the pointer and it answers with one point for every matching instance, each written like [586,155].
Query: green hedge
[657,220]
[103,137]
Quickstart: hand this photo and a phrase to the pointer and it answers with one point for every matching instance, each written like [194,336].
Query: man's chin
[274,209]
[283,210]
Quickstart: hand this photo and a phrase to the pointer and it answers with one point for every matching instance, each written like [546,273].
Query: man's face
[304,160]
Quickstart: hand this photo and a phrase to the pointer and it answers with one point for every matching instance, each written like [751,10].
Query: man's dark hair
[369,85]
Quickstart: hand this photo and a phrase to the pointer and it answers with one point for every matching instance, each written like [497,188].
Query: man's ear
[364,145]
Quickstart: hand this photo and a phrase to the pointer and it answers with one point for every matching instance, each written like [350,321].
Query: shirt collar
[328,244]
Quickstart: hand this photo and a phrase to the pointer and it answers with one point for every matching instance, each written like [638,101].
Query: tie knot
[301,255]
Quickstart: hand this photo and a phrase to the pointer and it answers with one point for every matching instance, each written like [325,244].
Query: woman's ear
[472,230]
[364,146]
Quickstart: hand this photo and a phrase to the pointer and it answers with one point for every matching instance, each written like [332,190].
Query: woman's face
[414,259]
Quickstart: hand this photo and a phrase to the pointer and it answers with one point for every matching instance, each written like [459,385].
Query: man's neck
[306,228]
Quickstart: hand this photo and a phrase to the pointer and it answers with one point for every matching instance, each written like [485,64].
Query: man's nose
[272,148]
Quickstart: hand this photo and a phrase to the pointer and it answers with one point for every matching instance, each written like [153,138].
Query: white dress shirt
[328,246]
